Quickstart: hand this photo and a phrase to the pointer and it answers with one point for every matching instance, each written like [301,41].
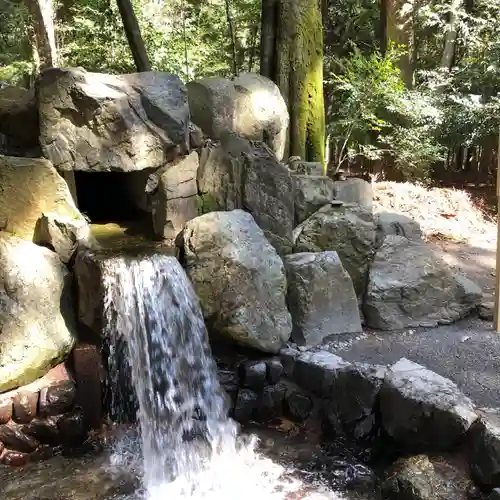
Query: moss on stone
[207,203]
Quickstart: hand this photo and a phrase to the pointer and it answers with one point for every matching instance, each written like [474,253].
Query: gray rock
[268,196]
[421,410]
[423,478]
[174,196]
[484,450]
[270,403]
[37,324]
[196,136]
[63,234]
[320,297]
[239,279]
[288,357]
[312,192]
[356,191]
[298,406]
[495,494]
[348,230]
[426,293]
[389,223]
[30,187]
[250,106]
[274,370]
[100,123]
[486,310]
[246,405]
[253,374]
[300,167]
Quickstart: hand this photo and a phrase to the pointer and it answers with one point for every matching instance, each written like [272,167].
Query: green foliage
[372,116]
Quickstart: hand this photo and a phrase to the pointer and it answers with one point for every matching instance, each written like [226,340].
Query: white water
[150,302]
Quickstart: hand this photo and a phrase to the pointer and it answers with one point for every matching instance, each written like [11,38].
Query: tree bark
[134,37]
[268,33]
[43,40]
[450,40]
[299,75]
[232,36]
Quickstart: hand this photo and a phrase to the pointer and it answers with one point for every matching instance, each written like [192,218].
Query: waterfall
[190,449]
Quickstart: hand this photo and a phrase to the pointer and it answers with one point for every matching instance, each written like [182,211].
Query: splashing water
[190,449]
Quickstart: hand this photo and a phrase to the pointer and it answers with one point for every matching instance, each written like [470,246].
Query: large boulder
[250,106]
[312,192]
[239,278]
[355,190]
[100,123]
[390,223]
[31,187]
[423,411]
[348,230]
[426,293]
[242,174]
[174,196]
[321,297]
[37,324]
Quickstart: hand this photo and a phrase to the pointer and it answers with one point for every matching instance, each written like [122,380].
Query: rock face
[37,322]
[321,297]
[174,196]
[389,223]
[250,106]
[422,478]
[423,411]
[19,117]
[356,191]
[349,230]
[31,187]
[63,234]
[427,293]
[312,192]
[242,174]
[101,123]
[484,450]
[239,279]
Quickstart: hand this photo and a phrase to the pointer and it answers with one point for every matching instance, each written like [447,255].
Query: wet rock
[298,406]
[312,192]
[348,230]
[321,297]
[495,494]
[44,430]
[253,374]
[72,428]
[427,293]
[421,410]
[423,478]
[315,371]
[57,399]
[250,106]
[288,357]
[14,458]
[174,196]
[14,438]
[246,404]
[63,234]
[25,406]
[486,310]
[37,323]
[355,190]
[5,409]
[229,381]
[32,186]
[395,224]
[42,453]
[484,450]
[239,279]
[353,396]
[274,370]
[101,123]
[270,403]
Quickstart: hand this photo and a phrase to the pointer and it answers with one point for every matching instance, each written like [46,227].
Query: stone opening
[112,196]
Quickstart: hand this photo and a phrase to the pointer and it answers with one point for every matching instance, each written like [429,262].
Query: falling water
[190,449]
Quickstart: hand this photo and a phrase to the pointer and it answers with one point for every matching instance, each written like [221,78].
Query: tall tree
[134,37]
[294,30]
[42,34]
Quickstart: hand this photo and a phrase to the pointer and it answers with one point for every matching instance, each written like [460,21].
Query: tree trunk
[399,30]
[450,40]
[268,33]
[299,75]
[134,37]
[44,40]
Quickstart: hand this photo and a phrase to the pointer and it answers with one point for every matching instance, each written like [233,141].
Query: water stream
[185,447]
